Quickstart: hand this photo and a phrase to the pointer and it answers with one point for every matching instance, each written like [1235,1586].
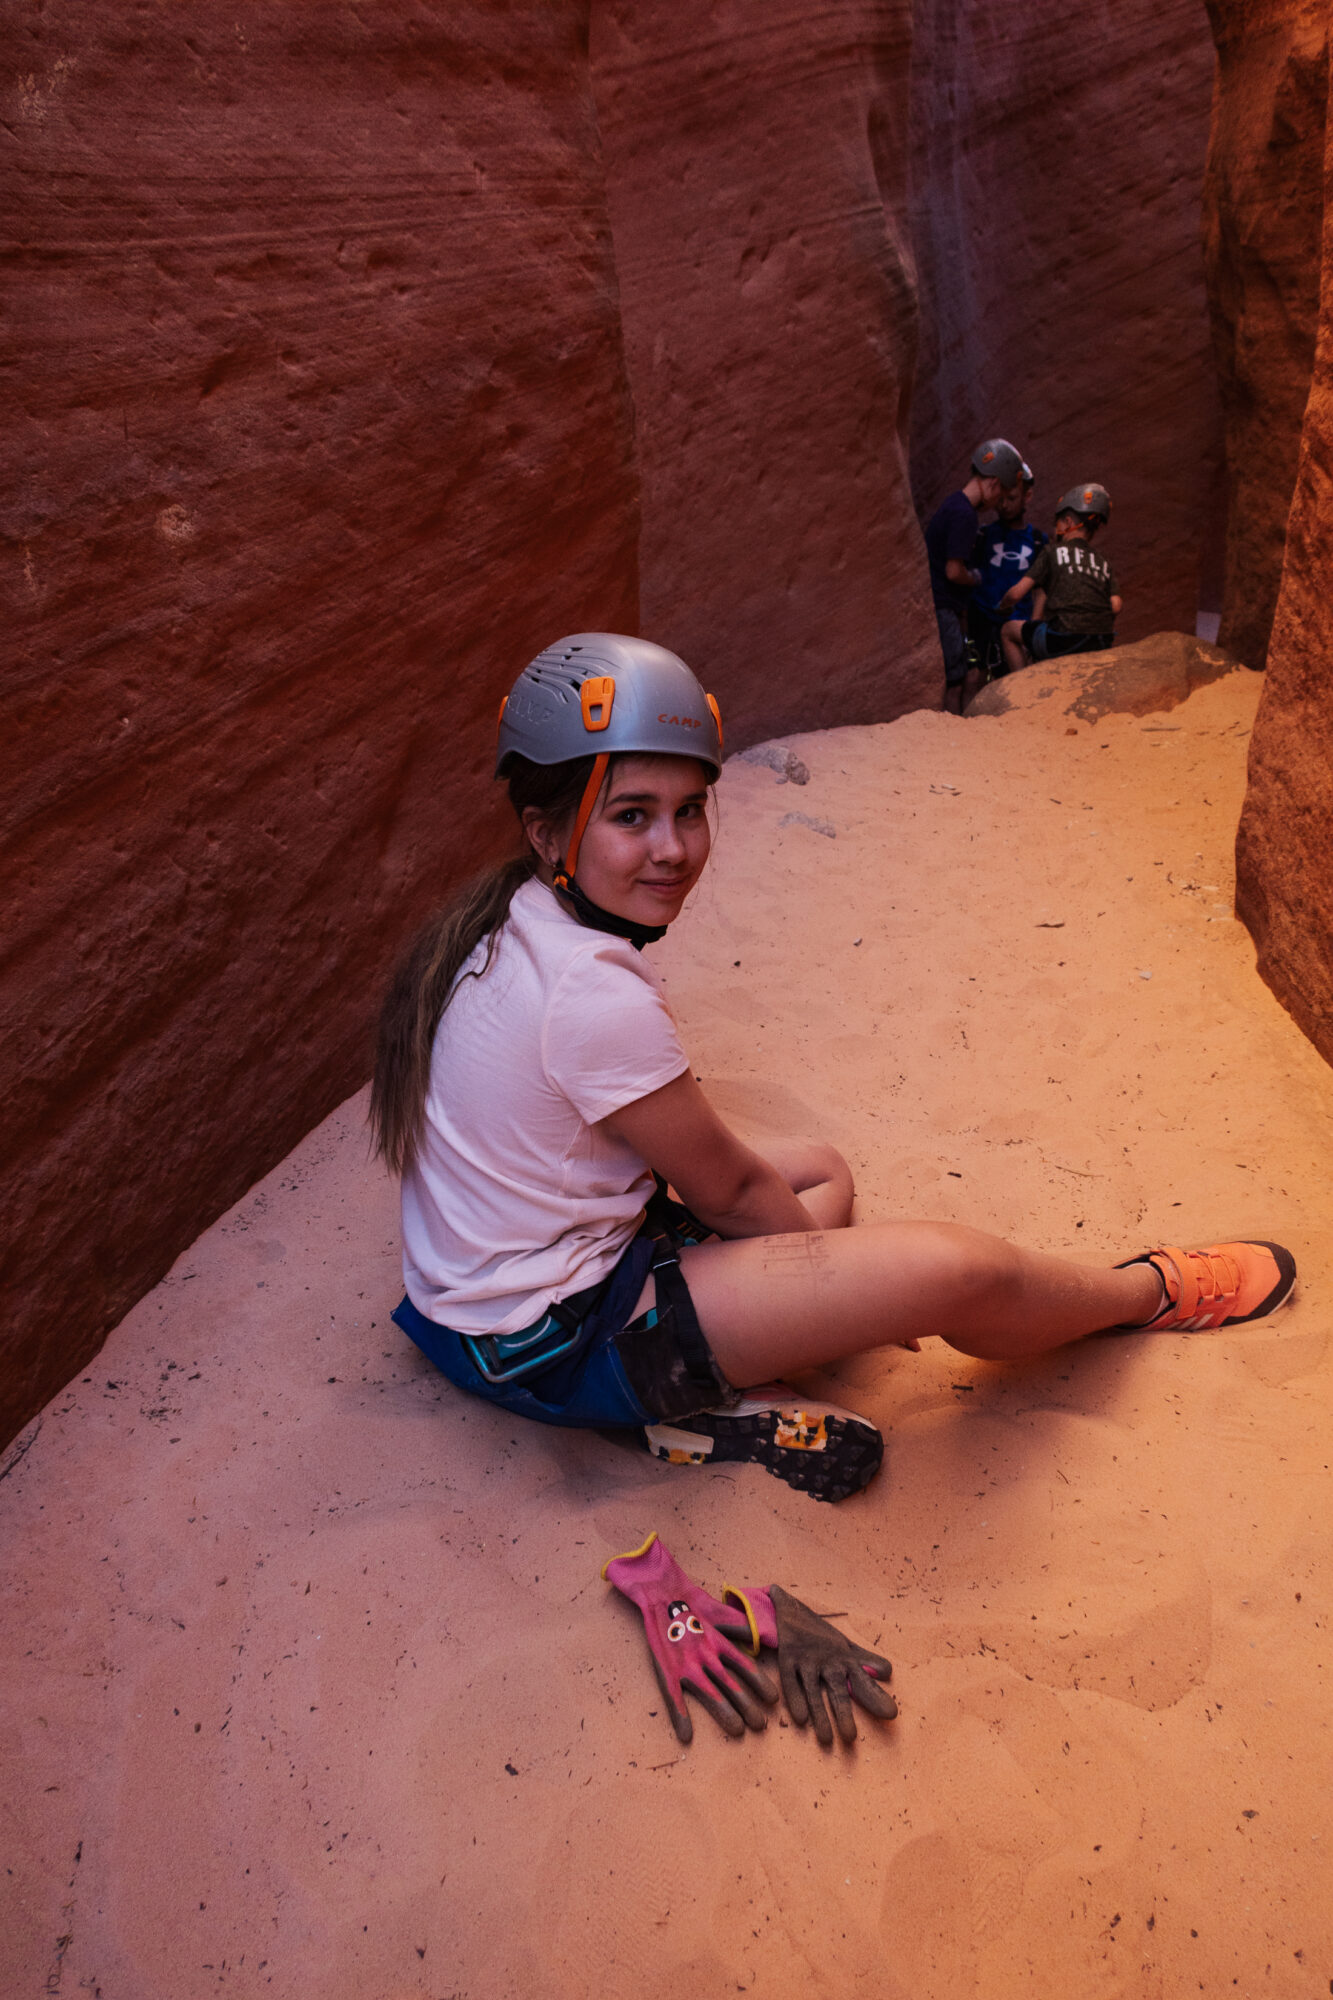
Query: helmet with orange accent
[604,695]
[600,693]
[1089,503]
[996,458]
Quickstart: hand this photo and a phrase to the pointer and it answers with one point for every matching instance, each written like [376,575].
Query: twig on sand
[1083,1173]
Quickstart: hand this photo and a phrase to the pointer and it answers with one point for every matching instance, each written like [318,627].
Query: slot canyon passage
[355,356]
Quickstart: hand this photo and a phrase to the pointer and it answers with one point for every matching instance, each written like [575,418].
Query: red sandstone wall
[756,169]
[1262,204]
[1284,882]
[325,427]
[322,428]
[1057,159]
[325,424]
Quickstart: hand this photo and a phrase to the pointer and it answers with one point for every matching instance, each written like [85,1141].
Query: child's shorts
[1043,644]
[653,1369]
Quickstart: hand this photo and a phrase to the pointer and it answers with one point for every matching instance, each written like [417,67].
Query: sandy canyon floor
[311,1686]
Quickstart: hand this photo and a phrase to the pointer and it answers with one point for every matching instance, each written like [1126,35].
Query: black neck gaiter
[598,919]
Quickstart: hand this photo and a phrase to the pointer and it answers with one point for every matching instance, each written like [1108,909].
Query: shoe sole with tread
[817,1448]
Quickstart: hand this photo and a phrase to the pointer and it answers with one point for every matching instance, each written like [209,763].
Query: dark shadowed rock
[1263,202]
[1152,674]
[1284,880]
[1057,170]
[756,173]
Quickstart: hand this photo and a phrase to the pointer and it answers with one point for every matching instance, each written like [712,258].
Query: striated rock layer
[324,427]
[350,341]
[1284,886]
[1057,163]
[756,171]
[1263,204]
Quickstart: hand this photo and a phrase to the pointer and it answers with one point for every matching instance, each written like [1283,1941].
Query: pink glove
[688,1645]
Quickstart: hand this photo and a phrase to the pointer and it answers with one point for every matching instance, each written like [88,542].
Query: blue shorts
[1043,644]
[653,1369]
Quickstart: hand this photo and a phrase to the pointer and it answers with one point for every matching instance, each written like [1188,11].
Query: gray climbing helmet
[1090,502]
[997,459]
[602,694]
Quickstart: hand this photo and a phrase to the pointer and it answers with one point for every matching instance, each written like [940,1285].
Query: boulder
[1145,678]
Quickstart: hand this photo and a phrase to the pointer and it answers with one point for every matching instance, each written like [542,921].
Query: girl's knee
[828,1164]
[823,1179]
[989,1273]
[990,1283]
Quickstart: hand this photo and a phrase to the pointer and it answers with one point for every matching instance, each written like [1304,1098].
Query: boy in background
[951,538]
[1081,604]
[1004,554]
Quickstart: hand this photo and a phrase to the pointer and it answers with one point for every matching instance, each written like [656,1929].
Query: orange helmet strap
[564,874]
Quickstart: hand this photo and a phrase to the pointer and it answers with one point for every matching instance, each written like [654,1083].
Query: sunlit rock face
[324,430]
[1263,205]
[1284,881]
[1057,159]
[756,175]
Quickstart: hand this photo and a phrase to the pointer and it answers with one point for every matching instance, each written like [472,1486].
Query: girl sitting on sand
[532,1091]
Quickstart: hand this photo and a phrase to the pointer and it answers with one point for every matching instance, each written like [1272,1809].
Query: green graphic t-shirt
[1078,585]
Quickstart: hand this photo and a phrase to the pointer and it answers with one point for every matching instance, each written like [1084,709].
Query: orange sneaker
[1221,1286]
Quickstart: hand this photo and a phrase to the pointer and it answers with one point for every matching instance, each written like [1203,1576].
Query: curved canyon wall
[1056,167]
[1284,884]
[324,427]
[360,352]
[757,180]
[1263,207]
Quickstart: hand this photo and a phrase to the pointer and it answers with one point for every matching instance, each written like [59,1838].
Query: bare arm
[1116,605]
[1016,593]
[724,1182]
[959,573]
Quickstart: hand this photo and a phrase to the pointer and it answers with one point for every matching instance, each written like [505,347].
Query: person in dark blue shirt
[951,538]
[1004,552]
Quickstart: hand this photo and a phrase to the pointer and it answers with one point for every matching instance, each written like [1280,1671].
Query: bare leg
[1011,644]
[773,1305]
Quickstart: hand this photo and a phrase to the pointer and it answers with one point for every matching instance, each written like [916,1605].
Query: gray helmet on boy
[600,693]
[997,459]
[1090,502]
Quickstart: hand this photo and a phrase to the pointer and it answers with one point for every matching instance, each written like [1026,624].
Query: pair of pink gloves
[692,1641]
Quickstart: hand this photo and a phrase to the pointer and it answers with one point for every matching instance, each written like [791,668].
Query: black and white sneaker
[816,1447]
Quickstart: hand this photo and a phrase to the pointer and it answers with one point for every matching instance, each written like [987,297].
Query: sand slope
[310,1685]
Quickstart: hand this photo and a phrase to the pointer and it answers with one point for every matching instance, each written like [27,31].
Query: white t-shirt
[516,1197]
